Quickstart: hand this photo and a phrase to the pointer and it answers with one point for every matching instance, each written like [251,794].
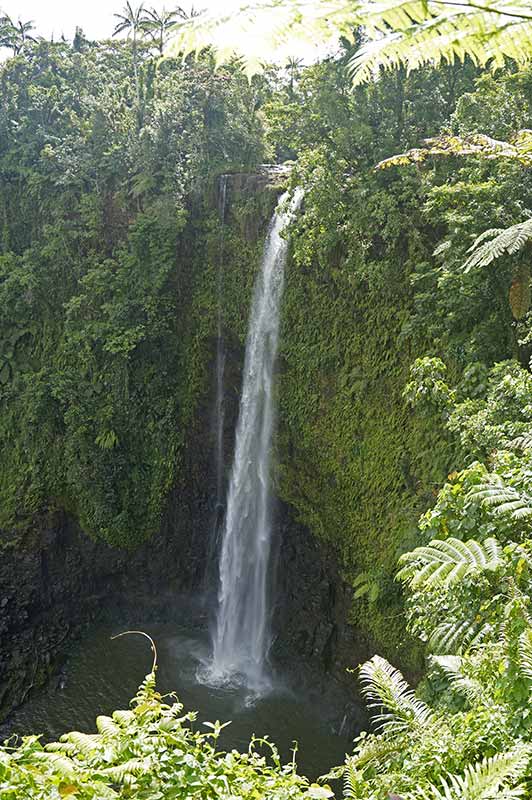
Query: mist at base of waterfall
[103,675]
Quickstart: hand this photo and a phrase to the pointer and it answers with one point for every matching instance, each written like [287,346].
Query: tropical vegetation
[405,426]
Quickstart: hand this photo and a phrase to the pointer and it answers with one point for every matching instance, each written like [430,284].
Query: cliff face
[55,579]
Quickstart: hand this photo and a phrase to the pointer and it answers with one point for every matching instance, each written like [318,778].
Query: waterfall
[242,634]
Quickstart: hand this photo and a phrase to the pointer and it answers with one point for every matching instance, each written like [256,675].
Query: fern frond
[476,144]
[106,726]
[61,763]
[451,666]
[494,242]
[523,442]
[399,32]
[457,636]
[376,748]
[86,743]
[525,653]
[446,33]
[384,686]
[123,717]
[493,778]
[503,499]
[67,748]
[120,772]
[352,779]
[447,561]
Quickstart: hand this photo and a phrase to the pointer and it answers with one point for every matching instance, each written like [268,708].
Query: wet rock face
[312,606]
[55,581]
[50,577]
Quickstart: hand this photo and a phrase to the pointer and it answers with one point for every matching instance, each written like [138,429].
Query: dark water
[102,675]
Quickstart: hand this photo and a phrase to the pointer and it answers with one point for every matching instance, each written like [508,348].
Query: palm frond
[448,561]
[384,686]
[494,778]
[503,499]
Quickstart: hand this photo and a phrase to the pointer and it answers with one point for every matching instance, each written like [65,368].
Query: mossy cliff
[356,464]
[109,299]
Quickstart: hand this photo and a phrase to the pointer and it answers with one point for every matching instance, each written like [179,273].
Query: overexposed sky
[56,17]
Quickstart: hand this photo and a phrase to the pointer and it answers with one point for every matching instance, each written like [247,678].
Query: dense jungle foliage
[104,233]
[368,297]
[405,388]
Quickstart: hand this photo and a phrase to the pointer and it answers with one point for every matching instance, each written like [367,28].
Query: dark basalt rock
[56,580]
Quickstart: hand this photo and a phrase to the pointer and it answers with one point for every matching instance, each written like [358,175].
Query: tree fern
[493,778]
[519,295]
[503,499]
[519,149]
[398,32]
[448,561]
[495,242]
[384,686]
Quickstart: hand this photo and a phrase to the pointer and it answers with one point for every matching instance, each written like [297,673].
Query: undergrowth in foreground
[149,751]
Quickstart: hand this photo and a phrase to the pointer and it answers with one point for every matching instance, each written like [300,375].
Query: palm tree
[15,35]
[132,21]
[292,67]
[6,32]
[158,24]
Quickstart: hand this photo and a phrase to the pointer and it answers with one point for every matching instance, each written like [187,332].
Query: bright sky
[94,16]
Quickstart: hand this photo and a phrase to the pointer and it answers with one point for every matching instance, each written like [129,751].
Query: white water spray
[242,635]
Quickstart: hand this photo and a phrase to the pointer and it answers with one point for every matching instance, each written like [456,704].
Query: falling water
[242,634]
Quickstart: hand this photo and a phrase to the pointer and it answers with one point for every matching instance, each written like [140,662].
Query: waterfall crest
[242,634]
